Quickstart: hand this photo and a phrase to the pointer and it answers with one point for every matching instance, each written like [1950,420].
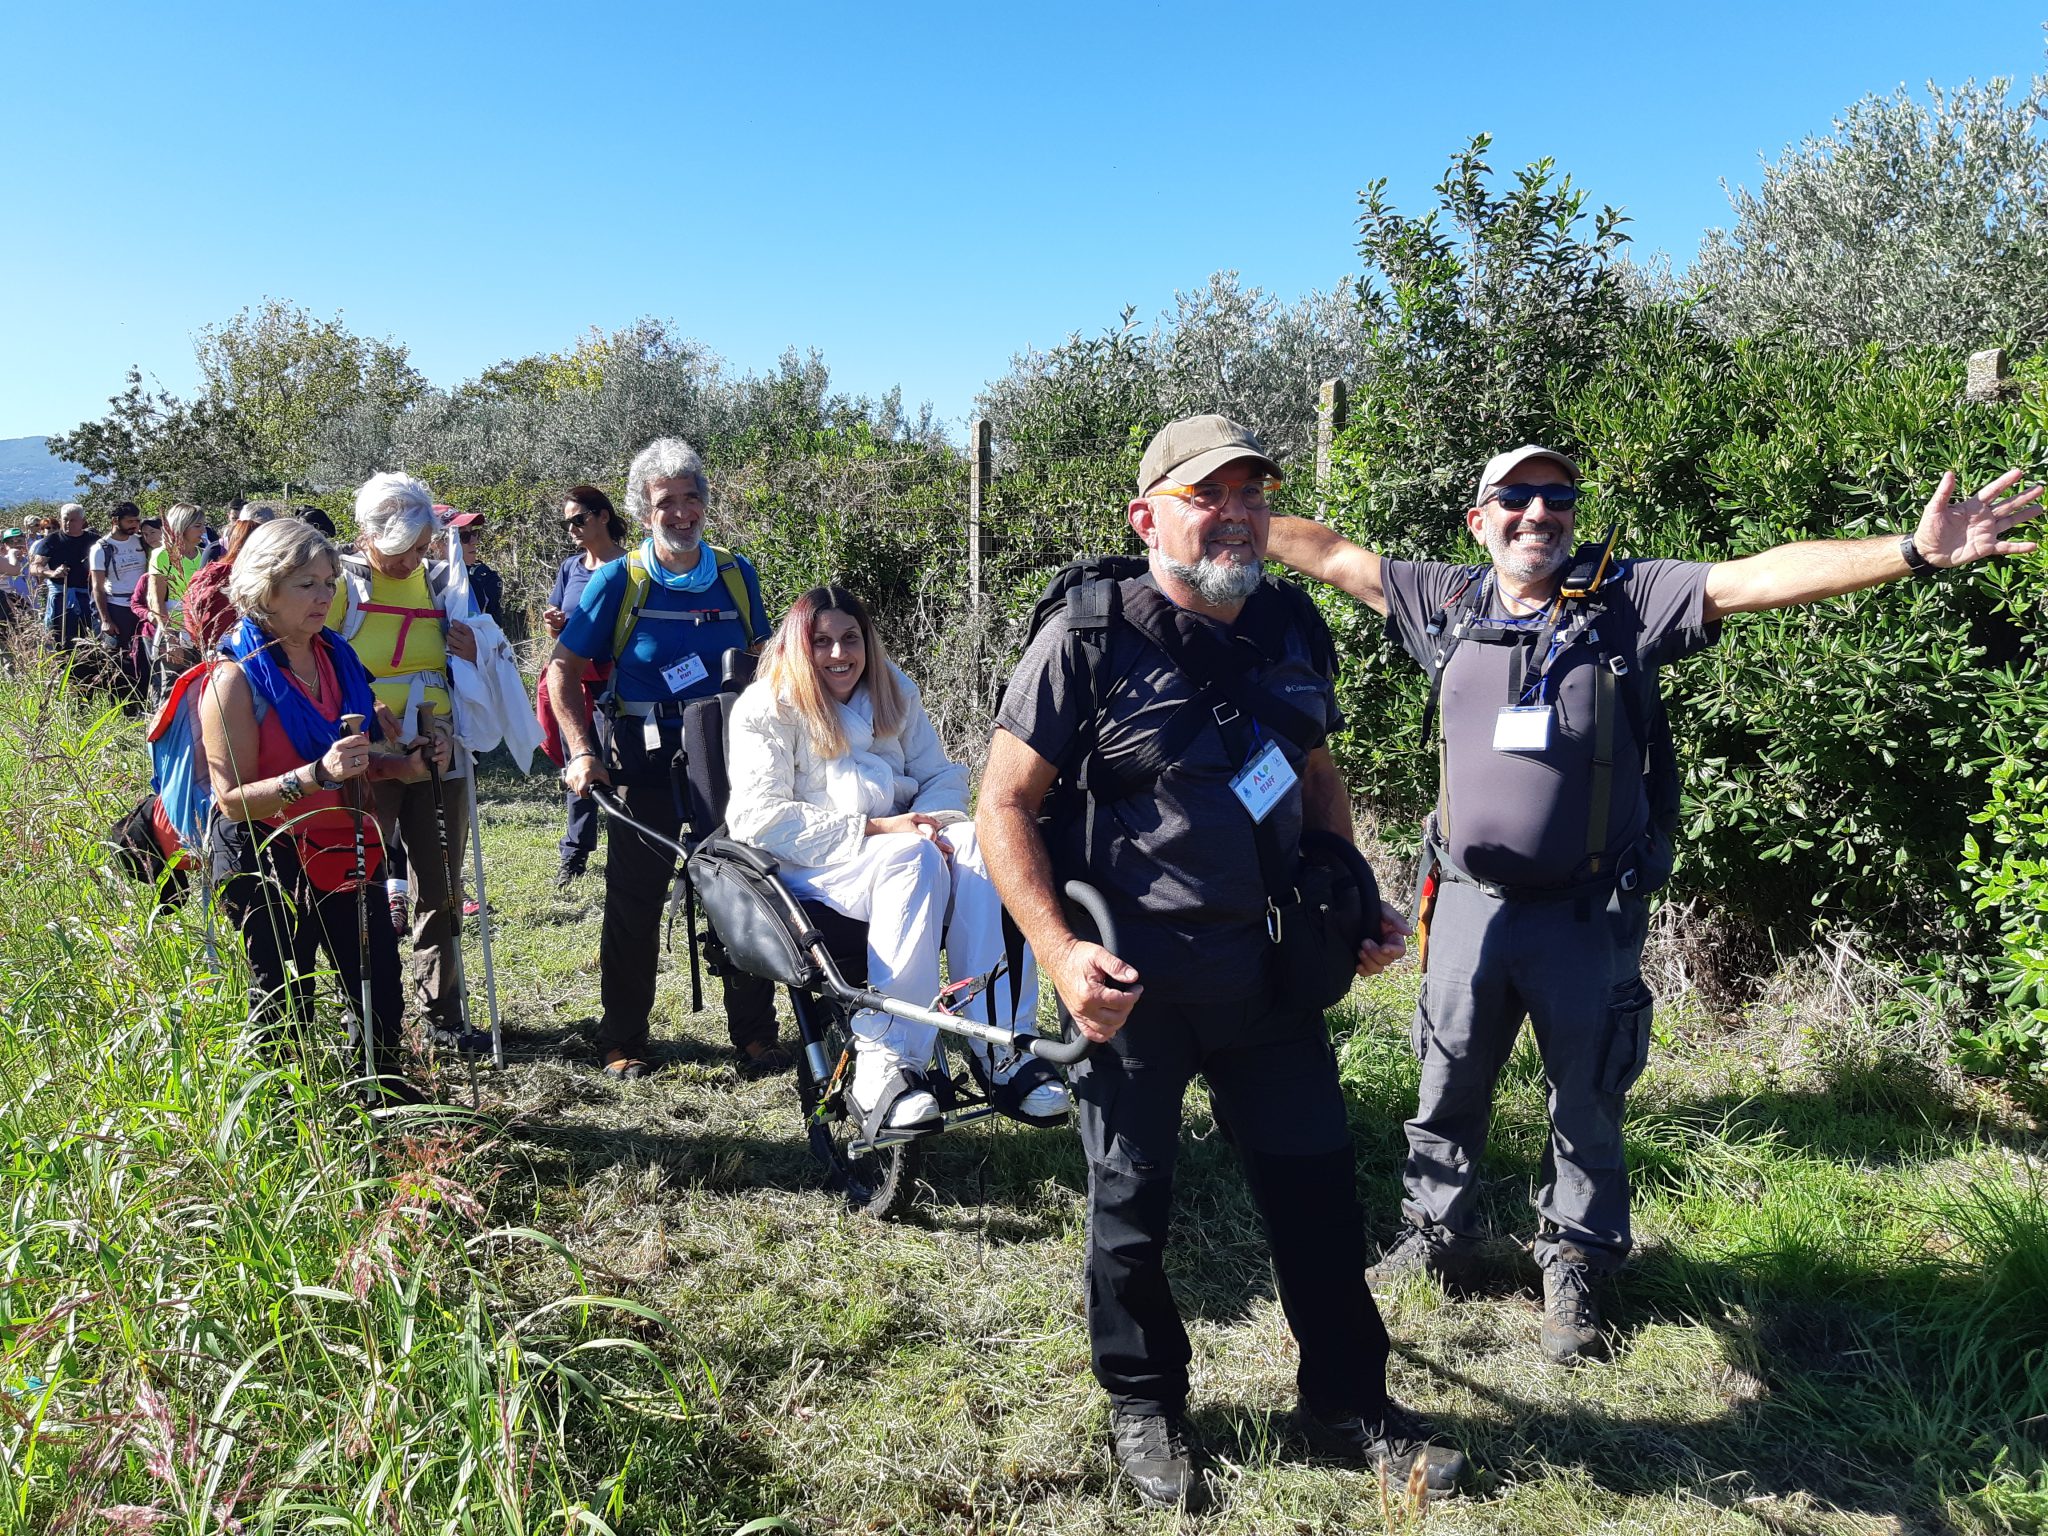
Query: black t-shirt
[1182,867]
[1519,818]
[73,552]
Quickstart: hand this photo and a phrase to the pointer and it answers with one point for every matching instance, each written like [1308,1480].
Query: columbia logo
[1301,688]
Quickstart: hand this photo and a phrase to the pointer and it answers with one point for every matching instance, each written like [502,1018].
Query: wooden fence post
[980,471]
[1331,408]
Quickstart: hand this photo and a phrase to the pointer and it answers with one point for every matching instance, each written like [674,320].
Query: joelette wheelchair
[757,925]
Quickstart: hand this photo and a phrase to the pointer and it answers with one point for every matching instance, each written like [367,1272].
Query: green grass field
[560,1305]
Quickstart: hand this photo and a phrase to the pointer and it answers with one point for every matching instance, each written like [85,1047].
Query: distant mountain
[29,473]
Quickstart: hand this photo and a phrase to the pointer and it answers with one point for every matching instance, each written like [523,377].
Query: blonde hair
[274,553]
[788,670]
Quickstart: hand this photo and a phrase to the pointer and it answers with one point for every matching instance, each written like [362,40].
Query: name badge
[650,733]
[689,670]
[1522,728]
[1263,781]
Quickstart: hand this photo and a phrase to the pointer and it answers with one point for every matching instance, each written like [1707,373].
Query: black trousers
[638,875]
[580,840]
[286,925]
[1273,1081]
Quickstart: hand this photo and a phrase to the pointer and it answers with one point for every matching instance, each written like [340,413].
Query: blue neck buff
[311,732]
[698,580]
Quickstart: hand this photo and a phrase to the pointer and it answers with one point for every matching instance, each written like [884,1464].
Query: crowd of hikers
[1165,736]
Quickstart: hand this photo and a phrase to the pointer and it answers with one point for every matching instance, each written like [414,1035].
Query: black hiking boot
[570,872]
[1159,1458]
[1419,1252]
[1571,1319]
[1396,1445]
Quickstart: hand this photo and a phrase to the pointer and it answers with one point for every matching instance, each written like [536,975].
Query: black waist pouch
[1336,908]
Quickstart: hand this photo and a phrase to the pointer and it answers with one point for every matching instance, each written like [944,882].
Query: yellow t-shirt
[397,644]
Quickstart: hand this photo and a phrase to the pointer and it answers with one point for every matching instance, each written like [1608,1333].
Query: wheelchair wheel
[877,1181]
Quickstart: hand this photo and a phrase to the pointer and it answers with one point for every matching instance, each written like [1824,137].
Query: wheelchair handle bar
[1061,1053]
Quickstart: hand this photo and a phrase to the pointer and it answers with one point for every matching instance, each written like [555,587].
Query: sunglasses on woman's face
[578,520]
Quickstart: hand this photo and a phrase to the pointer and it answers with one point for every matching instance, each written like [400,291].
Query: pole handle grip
[350,724]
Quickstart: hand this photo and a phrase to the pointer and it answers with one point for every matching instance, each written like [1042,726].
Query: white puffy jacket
[814,812]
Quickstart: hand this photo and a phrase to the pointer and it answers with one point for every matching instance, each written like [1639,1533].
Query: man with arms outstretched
[1547,838]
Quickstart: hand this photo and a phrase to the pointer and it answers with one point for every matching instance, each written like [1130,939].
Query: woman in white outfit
[836,770]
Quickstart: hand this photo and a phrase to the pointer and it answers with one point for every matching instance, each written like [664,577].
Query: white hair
[183,518]
[393,510]
[274,553]
[666,458]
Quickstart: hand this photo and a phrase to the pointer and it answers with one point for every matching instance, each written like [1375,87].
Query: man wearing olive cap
[1191,988]
[1553,825]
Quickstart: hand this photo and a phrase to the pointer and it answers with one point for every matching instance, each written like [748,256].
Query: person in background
[171,569]
[599,534]
[209,611]
[316,518]
[117,564]
[62,560]
[484,583]
[13,575]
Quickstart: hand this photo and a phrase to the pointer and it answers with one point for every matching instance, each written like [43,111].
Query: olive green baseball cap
[1184,451]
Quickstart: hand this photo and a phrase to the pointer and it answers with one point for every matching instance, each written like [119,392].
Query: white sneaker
[874,1066]
[1048,1101]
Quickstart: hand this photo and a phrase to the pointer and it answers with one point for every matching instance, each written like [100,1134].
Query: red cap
[463,519]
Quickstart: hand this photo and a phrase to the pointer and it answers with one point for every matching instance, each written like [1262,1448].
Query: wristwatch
[1917,564]
[290,787]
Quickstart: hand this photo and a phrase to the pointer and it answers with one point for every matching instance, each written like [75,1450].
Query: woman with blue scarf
[282,771]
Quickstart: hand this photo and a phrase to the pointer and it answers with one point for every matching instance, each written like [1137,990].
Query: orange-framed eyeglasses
[1211,496]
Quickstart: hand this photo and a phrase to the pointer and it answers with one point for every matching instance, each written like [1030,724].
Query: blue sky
[917,191]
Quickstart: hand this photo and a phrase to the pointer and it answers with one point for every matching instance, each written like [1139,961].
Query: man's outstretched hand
[1953,533]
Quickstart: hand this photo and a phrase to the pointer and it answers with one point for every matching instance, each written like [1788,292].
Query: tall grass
[232,1300]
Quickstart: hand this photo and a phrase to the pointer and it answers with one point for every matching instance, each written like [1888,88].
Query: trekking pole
[451,871]
[350,725]
[483,912]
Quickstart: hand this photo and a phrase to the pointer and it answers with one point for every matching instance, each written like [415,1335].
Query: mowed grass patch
[1831,1325]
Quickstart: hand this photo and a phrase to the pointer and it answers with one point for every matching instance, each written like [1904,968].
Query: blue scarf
[311,732]
[697,579]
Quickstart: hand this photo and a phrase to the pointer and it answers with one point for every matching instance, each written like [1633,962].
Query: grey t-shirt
[1180,866]
[1520,818]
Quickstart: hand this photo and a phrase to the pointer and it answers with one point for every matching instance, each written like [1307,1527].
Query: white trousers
[916,904]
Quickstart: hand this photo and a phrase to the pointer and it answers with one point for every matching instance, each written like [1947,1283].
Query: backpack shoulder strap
[634,599]
[735,580]
[355,589]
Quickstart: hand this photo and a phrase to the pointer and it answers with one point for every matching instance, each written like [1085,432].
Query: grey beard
[667,543]
[1527,567]
[1216,581]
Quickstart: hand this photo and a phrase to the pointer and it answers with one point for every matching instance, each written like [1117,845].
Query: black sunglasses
[578,520]
[1559,498]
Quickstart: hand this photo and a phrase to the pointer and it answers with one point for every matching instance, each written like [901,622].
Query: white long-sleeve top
[814,812]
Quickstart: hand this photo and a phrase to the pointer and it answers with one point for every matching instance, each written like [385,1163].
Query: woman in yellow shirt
[388,609]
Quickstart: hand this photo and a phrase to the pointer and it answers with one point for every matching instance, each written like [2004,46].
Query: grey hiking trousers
[1573,968]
